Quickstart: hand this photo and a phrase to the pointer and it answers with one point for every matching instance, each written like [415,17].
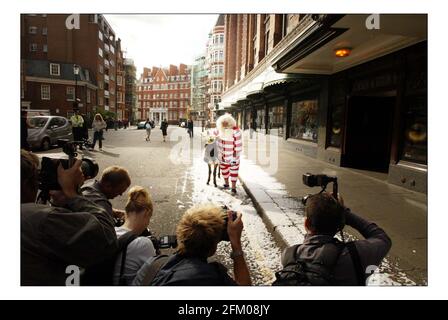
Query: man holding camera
[74,232]
[199,231]
[114,182]
[323,259]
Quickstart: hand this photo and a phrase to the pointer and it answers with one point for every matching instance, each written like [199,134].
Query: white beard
[226,134]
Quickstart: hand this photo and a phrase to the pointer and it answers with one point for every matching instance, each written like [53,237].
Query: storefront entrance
[368,133]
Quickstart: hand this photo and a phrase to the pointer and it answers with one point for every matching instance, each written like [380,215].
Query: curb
[285,231]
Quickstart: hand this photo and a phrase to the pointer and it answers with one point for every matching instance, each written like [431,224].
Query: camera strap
[356,262]
[123,243]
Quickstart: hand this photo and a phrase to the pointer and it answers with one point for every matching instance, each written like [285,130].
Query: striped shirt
[230,149]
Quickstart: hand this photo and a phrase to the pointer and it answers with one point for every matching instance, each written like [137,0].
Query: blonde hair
[139,200]
[200,229]
[115,175]
[225,118]
[98,115]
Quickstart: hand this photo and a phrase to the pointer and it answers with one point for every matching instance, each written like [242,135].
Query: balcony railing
[106,48]
[106,78]
[106,93]
[106,63]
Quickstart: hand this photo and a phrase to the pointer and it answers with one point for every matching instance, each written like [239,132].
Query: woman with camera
[138,212]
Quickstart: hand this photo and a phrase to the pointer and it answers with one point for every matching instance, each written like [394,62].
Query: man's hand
[338,199]
[71,179]
[234,230]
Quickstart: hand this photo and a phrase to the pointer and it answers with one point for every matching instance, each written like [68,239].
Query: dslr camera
[48,176]
[163,242]
[319,180]
[225,236]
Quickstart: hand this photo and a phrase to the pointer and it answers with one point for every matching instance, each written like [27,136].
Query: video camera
[48,176]
[319,180]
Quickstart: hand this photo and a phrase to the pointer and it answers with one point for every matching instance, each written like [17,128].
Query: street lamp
[76,72]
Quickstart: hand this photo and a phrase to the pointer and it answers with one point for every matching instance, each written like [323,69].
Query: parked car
[46,130]
[182,123]
[141,125]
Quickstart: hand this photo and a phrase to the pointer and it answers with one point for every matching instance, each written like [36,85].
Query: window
[32,30]
[221,55]
[87,75]
[44,31]
[100,52]
[33,47]
[304,120]
[119,80]
[88,96]
[100,68]
[415,146]
[45,48]
[276,120]
[70,93]
[100,35]
[266,34]
[55,69]
[45,92]
[221,38]
[336,125]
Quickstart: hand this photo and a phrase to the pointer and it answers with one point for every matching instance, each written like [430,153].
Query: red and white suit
[229,151]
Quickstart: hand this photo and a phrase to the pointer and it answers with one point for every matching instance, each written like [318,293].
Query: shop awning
[274,78]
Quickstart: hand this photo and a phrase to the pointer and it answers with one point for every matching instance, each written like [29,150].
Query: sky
[162,39]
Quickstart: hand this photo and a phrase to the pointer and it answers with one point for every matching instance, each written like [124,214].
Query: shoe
[90,149]
[101,149]
[226,186]
[233,191]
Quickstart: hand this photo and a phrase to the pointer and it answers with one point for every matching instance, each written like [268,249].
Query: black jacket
[371,250]
[53,238]
[187,271]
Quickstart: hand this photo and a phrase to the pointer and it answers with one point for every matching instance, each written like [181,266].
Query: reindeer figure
[211,158]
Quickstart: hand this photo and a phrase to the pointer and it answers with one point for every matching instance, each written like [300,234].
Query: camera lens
[89,168]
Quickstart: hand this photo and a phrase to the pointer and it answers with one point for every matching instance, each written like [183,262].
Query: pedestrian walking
[77,126]
[98,126]
[148,127]
[190,127]
[230,145]
[164,128]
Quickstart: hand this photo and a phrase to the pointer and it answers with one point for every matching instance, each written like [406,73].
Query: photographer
[74,231]
[199,231]
[139,210]
[114,182]
[324,259]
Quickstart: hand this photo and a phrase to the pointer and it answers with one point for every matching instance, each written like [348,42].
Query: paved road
[176,177]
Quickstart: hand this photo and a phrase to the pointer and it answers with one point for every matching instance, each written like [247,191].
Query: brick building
[215,65]
[164,93]
[335,87]
[131,89]
[51,45]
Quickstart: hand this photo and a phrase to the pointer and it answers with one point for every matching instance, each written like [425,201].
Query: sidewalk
[400,212]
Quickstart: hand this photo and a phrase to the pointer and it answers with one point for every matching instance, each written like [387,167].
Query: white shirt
[138,251]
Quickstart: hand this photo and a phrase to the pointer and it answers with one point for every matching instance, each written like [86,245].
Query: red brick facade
[164,93]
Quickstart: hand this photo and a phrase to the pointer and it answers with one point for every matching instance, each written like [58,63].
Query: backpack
[102,273]
[298,272]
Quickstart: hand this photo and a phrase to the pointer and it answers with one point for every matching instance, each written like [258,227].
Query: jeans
[98,135]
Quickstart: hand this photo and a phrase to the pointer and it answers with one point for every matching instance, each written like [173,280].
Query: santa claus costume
[230,145]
